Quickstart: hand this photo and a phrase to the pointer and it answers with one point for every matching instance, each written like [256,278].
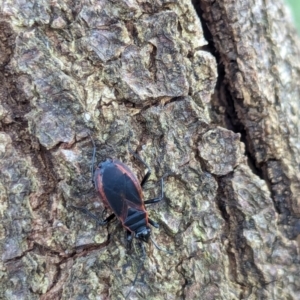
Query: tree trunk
[210,91]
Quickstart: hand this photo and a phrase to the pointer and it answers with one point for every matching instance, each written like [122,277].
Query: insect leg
[157,199]
[109,218]
[144,180]
[154,224]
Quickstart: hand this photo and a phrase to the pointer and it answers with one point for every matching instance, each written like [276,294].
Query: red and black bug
[121,192]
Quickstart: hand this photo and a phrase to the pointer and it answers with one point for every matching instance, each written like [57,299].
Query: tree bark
[209,90]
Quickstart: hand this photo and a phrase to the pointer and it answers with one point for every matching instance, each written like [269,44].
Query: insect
[121,192]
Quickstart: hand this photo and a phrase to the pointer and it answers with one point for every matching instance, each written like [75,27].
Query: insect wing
[121,189]
[132,185]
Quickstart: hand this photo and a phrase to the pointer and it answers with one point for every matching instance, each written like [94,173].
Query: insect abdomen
[136,219]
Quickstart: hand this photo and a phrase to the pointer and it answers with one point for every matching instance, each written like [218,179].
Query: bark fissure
[237,111]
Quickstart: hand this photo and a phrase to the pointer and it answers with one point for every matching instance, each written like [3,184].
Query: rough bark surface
[216,109]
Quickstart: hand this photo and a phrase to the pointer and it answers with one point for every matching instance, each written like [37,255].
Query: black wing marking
[121,192]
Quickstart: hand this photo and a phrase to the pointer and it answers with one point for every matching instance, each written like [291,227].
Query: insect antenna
[138,270]
[160,249]
[93,158]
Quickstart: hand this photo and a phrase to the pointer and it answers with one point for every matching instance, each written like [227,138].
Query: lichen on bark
[75,69]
